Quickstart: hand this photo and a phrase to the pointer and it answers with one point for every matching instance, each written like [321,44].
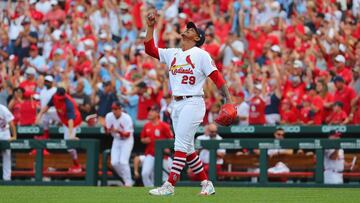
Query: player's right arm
[44,110]
[149,43]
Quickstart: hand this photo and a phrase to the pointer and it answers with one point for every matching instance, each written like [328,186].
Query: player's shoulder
[109,115]
[200,51]
[126,116]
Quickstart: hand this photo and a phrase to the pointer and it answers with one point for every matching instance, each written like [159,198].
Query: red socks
[196,166]
[177,166]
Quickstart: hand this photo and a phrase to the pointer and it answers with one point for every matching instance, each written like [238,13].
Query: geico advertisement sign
[242,129]
[328,128]
[28,130]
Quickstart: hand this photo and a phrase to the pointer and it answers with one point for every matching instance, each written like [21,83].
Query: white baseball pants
[73,152]
[147,170]
[120,156]
[332,177]
[6,156]
[186,116]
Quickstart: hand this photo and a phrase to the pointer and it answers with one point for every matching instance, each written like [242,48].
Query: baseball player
[334,163]
[120,125]
[6,124]
[153,130]
[188,66]
[69,116]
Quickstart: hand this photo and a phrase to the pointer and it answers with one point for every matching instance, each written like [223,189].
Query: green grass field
[183,195]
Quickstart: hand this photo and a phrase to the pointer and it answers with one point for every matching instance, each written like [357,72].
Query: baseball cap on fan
[200,33]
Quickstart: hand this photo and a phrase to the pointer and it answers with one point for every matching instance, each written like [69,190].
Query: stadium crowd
[285,61]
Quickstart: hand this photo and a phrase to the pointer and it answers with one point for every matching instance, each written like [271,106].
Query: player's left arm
[219,81]
[211,71]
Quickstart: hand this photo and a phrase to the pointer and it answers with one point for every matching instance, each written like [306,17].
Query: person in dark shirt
[82,100]
[105,97]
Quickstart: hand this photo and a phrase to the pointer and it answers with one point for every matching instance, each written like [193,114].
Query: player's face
[191,34]
[279,134]
[117,112]
[153,115]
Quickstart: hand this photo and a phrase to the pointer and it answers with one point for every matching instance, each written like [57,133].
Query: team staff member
[334,163]
[189,66]
[153,130]
[120,125]
[6,124]
[70,117]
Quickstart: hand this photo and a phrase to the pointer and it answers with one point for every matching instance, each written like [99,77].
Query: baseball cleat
[165,190]
[207,188]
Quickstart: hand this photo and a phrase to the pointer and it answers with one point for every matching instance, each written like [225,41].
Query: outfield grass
[183,195]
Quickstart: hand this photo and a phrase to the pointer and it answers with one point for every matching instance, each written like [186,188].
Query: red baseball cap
[33,47]
[240,94]
[81,53]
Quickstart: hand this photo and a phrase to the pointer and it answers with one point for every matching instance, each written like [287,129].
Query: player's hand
[74,138]
[12,138]
[136,175]
[151,18]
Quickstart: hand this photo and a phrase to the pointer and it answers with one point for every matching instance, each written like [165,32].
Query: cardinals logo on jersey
[174,69]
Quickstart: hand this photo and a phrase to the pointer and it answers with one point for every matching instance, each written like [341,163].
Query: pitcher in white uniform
[188,67]
[6,124]
[120,125]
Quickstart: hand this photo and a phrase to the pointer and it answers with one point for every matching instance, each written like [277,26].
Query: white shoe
[165,190]
[207,188]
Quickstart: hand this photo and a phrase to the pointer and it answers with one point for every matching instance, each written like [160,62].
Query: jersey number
[188,80]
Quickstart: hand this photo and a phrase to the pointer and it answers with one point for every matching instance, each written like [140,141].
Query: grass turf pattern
[183,195]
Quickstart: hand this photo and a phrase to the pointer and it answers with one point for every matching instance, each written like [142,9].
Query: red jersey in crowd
[317,102]
[146,101]
[329,98]
[337,117]
[345,96]
[155,132]
[28,112]
[294,93]
[257,111]
[289,117]
[28,86]
[305,115]
[346,74]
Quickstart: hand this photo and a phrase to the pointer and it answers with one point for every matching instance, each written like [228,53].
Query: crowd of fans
[285,61]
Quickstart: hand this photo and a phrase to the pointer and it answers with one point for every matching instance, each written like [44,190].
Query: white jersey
[5,117]
[334,165]
[188,69]
[243,111]
[123,123]
[45,95]
[204,154]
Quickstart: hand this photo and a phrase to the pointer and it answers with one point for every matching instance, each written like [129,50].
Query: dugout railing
[91,146]
[318,145]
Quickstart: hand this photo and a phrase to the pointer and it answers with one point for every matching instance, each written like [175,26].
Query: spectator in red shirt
[341,70]
[83,65]
[16,103]
[288,115]
[343,93]
[338,115]
[305,111]
[29,85]
[147,99]
[56,14]
[326,96]
[316,104]
[257,106]
[28,109]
